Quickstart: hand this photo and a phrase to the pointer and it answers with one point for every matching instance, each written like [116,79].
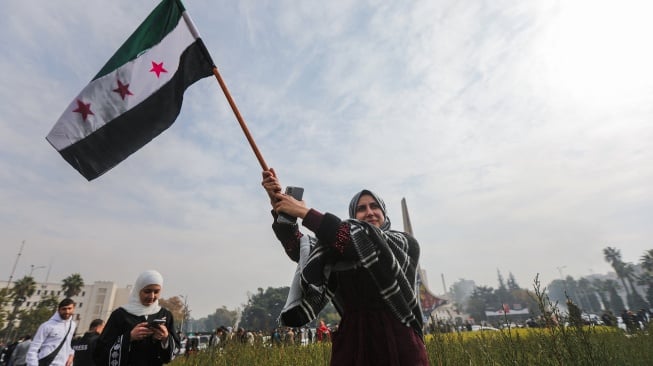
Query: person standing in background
[139,333]
[85,346]
[18,357]
[52,342]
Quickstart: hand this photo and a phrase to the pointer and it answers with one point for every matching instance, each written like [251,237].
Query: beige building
[97,300]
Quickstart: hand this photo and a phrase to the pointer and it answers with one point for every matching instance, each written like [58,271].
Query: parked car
[203,341]
[182,347]
[482,328]
[592,319]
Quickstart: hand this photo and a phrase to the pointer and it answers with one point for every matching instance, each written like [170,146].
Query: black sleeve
[114,328]
[92,345]
[328,228]
[288,236]
[167,354]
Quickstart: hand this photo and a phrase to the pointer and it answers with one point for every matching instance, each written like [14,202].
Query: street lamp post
[20,252]
[185,312]
[34,268]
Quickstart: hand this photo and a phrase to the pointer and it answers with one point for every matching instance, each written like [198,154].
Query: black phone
[297,193]
[154,323]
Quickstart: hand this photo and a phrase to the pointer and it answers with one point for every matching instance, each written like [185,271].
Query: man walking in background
[52,342]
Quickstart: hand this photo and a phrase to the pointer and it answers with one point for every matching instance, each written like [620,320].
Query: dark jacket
[84,348]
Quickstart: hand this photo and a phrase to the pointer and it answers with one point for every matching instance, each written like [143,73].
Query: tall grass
[237,354]
[554,344]
[598,346]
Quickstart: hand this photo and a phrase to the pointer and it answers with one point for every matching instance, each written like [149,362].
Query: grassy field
[555,345]
[577,346]
[570,346]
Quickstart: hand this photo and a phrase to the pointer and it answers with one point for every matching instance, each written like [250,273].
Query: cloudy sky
[519,133]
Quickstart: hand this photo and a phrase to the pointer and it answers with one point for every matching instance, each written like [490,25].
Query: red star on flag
[84,109]
[158,68]
[123,90]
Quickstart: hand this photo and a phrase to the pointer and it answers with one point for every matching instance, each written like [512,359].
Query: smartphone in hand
[154,323]
[297,193]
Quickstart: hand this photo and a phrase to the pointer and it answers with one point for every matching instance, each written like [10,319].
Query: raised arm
[288,235]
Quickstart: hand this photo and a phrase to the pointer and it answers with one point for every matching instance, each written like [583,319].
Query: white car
[476,328]
[182,347]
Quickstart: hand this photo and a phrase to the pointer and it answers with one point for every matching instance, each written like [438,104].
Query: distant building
[507,313]
[462,290]
[94,301]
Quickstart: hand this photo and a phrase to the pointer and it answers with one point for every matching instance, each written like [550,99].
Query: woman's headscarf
[134,306]
[354,203]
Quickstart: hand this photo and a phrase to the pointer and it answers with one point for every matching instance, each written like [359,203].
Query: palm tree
[603,290]
[613,256]
[630,275]
[646,279]
[23,289]
[616,302]
[32,318]
[636,301]
[4,297]
[647,261]
[587,297]
[72,285]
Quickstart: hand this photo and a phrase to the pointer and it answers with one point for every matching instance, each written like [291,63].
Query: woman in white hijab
[140,332]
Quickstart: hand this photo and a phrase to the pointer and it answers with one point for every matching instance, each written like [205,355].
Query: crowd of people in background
[280,336]
[628,321]
[634,321]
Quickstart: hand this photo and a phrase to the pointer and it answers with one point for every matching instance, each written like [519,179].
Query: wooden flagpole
[240,119]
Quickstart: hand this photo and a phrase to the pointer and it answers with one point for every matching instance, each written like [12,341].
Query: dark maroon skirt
[368,333]
[376,338]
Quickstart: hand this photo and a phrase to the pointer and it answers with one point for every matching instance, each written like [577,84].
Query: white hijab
[134,306]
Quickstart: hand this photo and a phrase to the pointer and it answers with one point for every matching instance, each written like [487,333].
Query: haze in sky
[518,132]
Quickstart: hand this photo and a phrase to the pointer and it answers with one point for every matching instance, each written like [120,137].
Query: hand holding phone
[154,323]
[296,193]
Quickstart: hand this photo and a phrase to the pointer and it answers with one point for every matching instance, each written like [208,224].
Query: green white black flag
[137,95]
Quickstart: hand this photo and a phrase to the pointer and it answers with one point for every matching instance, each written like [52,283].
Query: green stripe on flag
[163,19]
